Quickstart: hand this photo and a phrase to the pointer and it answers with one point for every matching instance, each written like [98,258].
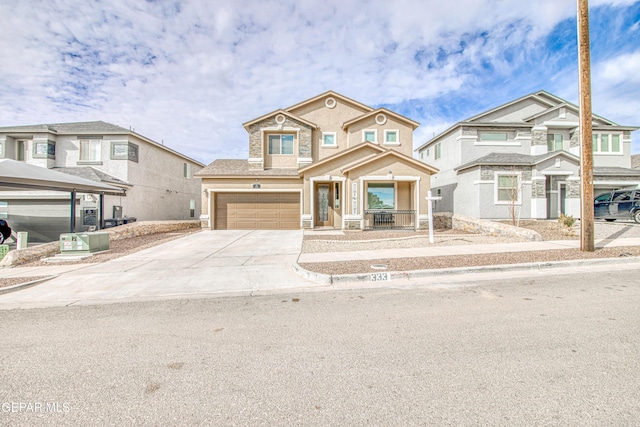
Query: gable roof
[389,153]
[515,159]
[538,96]
[554,102]
[397,116]
[571,107]
[333,94]
[90,128]
[75,127]
[276,112]
[340,154]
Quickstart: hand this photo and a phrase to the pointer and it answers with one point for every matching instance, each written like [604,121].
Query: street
[541,350]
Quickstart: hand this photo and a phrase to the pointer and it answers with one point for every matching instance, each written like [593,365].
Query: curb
[417,274]
[25,285]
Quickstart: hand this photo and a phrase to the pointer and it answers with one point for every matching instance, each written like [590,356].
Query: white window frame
[280,153]
[496,187]
[597,147]
[438,151]
[387,184]
[186,170]
[555,142]
[335,140]
[389,131]
[375,135]
[90,141]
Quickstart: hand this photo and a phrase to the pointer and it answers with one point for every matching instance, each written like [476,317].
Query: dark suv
[621,204]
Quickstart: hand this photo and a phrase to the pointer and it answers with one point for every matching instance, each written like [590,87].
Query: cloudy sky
[189,73]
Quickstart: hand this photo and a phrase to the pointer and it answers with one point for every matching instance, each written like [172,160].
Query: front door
[324,208]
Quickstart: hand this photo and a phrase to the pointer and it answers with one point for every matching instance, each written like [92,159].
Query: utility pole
[587,242]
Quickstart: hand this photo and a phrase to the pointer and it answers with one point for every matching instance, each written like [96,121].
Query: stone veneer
[487,172]
[469,131]
[575,139]
[538,190]
[256,142]
[539,137]
[142,228]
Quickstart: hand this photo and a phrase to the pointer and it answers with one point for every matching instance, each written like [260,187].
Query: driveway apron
[200,263]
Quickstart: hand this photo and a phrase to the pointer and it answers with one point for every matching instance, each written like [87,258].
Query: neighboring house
[635,161]
[159,181]
[328,161]
[522,159]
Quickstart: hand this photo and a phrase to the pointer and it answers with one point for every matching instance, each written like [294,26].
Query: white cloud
[191,72]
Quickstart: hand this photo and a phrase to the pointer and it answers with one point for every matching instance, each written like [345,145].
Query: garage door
[257,211]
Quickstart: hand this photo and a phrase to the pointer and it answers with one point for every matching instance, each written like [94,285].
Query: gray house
[522,159]
[159,181]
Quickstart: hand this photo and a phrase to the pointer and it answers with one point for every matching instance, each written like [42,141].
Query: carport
[16,176]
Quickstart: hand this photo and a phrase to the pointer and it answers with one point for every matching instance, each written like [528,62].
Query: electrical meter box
[83,243]
[4,249]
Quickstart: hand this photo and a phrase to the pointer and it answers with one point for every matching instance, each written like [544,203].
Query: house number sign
[354,198]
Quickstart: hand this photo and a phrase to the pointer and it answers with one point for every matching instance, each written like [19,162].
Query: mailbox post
[430,200]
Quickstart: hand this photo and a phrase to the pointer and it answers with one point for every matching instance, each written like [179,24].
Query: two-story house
[522,159]
[159,181]
[328,161]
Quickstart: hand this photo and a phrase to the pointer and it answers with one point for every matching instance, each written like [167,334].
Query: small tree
[509,188]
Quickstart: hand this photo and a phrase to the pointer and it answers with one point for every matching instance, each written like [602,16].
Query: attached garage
[257,211]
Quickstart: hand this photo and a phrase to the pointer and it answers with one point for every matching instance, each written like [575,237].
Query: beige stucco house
[328,161]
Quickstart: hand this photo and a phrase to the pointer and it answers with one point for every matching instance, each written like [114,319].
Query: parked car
[621,204]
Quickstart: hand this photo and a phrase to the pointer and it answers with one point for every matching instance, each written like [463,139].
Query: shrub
[566,220]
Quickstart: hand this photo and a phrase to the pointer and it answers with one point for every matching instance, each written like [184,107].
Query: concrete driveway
[201,263]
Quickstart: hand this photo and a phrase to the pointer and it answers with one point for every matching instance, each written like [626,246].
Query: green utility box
[4,249]
[83,243]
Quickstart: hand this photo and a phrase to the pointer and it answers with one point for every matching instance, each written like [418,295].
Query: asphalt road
[551,350]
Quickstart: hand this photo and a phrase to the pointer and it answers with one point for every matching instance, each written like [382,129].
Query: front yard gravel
[549,230]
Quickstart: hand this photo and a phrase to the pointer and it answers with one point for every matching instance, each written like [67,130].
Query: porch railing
[389,219]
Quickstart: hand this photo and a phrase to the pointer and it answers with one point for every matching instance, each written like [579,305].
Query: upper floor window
[124,151]
[90,150]
[370,136]
[493,136]
[329,139]
[186,169]
[280,144]
[44,149]
[438,150]
[554,142]
[606,143]
[391,137]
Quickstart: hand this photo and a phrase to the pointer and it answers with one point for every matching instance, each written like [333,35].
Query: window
[90,150]
[44,149]
[438,150]
[192,208]
[280,144]
[381,196]
[554,142]
[329,139]
[607,143]
[370,136]
[186,170]
[391,137]
[1,150]
[124,151]
[493,136]
[507,188]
